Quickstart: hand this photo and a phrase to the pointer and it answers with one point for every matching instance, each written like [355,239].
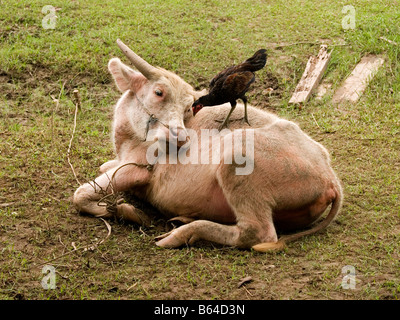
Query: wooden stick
[77,99]
[312,75]
[354,86]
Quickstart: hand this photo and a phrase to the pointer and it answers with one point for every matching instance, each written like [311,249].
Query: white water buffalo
[290,184]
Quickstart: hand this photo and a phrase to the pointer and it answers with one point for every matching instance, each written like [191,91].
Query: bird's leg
[245,119]
[226,121]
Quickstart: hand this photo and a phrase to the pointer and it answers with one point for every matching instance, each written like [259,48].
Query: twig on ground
[247,291]
[74,245]
[62,276]
[316,121]
[4,205]
[389,41]
[144,233]
[283,45]
[277,46]
[108,234]
[132,286]
[77,107]
[145,291]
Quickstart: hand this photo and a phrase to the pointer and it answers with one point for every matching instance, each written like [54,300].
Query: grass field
[195,39]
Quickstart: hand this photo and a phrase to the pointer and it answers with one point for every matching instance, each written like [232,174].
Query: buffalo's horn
[145,68]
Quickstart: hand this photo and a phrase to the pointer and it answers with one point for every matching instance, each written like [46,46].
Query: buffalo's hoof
[169,240]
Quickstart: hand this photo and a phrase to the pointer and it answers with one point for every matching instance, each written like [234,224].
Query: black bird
[232,84]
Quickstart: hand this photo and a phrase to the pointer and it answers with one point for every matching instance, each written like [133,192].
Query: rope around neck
[152,118]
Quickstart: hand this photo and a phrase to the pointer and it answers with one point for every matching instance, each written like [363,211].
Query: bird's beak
[196,108]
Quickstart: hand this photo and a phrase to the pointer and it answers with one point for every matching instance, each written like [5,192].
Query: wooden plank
[354,86]
[312,75]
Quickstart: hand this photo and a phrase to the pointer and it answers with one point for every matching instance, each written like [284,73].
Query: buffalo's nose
[174,131]
[179,134]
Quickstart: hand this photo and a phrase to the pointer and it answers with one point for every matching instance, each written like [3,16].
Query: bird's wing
[254,63]
[220,76]
[238,82]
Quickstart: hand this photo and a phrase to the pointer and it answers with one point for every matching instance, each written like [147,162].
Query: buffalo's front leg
[108,165]
[241,235]
[94,197]
[189,233]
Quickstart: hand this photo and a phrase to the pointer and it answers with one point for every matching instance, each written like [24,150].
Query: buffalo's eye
[158,92]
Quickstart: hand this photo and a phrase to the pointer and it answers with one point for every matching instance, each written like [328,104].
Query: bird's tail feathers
[257,61]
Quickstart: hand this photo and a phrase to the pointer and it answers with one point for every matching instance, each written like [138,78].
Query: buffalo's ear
[125,78]
[198,94]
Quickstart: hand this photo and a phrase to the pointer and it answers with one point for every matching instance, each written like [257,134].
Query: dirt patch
[265,92]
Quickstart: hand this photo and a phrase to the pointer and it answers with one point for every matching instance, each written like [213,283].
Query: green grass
[195,39]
